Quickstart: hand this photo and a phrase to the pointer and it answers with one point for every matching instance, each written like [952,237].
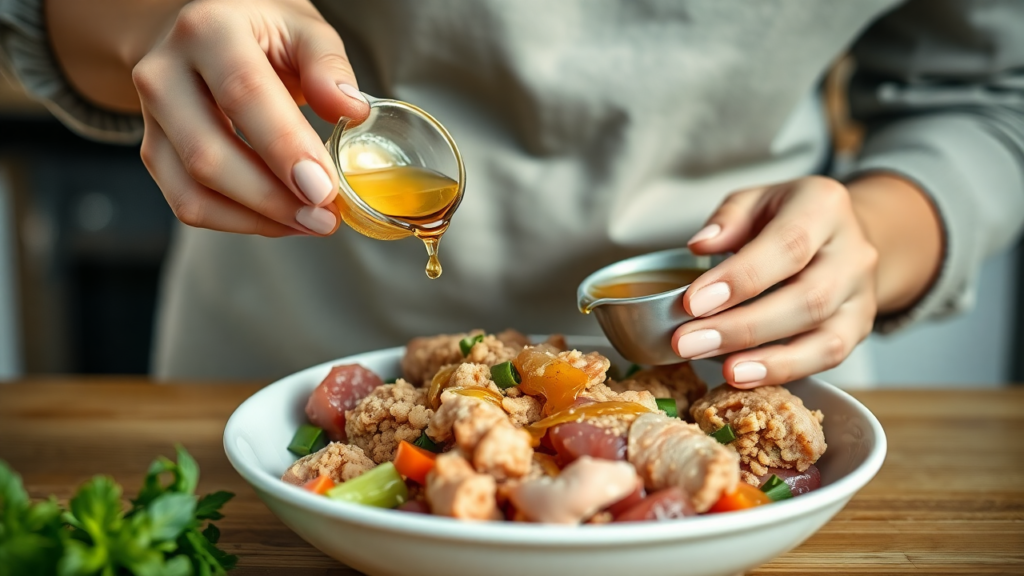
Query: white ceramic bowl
[386,542]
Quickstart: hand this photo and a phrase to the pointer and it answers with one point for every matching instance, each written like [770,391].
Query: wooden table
[949,499]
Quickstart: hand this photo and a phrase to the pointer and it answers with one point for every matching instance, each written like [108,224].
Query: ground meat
[594,364]
[469,375]
[455,489]
[390,414]
[426,355]
[669,452]
[522,409]
[464,417]
[677,381]
[617,424]
[773,428]
[342,462]
[557,341]
[504,452]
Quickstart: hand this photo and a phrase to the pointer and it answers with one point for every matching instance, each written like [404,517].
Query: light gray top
[591,130]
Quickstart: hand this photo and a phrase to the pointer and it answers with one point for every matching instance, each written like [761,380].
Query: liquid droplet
[433,264]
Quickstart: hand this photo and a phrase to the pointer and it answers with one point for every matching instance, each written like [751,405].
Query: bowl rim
[499,533]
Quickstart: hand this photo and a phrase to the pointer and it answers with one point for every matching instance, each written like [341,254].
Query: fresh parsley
[161,534]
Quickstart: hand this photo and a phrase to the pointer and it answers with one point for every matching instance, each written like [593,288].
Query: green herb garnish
[161,534]
[307,439]
[505,375]
[427,444]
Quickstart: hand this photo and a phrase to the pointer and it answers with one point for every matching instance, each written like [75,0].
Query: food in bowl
[493,427]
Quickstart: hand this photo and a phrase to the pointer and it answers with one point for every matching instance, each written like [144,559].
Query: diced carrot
[745,496]
[319,485]
[414,462]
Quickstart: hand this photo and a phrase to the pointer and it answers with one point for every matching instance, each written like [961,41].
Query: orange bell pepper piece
[745,496]
[319,485]
[414,462]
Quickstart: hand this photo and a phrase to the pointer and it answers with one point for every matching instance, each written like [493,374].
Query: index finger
[249,92]
[802,222]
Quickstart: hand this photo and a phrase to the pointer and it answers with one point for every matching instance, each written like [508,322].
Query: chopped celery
[668,406]
[382,487]
[307,439]
[505,375]
[725,434]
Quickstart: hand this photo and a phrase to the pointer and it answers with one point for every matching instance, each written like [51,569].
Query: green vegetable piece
[307,439]
[633,369]
[382,487]
[725,434]
[668,406]
[505,375]
[427,444]
[776,489]
[466,344]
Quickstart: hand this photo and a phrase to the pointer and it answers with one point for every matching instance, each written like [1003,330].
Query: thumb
[732,225]
[326,77]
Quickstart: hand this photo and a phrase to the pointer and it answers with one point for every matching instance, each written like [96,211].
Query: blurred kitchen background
[84,231]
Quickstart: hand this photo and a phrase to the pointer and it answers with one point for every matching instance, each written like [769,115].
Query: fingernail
[312,181]
[708,298]
[706,233]
[749,372]
[696,343]
[319,220]
[352,92]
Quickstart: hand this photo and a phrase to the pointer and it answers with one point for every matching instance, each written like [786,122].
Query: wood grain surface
[949,499]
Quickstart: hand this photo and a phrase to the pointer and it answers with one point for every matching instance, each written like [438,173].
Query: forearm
[98,42]
[900,221]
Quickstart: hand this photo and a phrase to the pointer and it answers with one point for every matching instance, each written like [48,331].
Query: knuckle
[744,335]
[796,243]
[187,209]
[147,152]
[820,303]
[836,350]
[745,280]
[195,20]
[202,162]
[146,79]
[830,189]
[239,89]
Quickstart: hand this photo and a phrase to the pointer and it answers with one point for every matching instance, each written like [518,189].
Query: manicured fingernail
[696,343]
[319,220]
[706,233]
[749,372]
[312,181]
[708,298]
[352,92]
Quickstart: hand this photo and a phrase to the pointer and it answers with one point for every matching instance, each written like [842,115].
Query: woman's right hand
[225,66]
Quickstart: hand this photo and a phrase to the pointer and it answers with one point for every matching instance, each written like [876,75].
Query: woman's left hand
[805,236]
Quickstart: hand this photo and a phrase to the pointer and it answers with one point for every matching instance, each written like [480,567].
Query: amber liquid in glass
[420,197]
[646,283]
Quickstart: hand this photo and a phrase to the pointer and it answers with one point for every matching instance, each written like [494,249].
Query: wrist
[900,221]
[98,43]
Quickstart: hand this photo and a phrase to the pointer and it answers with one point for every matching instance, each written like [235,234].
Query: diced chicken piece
[581,490]
[455,489]
[342,462]
[522,409]
[669,452]
[426,355]
[464,417]
[773,427]
[677,381]
[504,452]
[339,392]
[390,414]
